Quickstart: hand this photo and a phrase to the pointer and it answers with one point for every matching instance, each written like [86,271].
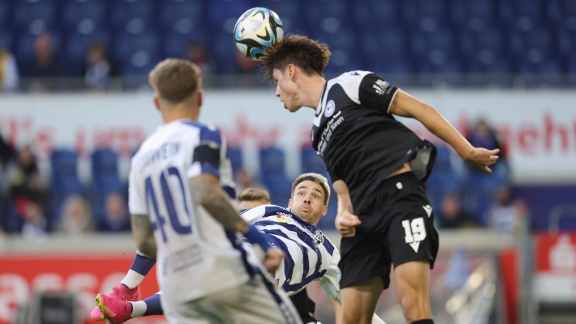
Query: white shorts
[258,301]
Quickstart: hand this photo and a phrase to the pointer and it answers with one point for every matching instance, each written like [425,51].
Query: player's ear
[200,98]
[156,102]
[324,210]
[291,71]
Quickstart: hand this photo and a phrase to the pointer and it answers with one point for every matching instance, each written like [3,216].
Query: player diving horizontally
[309,254]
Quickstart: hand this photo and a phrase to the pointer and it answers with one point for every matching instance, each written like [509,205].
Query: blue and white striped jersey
[309,254]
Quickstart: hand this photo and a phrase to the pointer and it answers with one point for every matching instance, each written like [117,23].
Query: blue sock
[154,307]
[138,270]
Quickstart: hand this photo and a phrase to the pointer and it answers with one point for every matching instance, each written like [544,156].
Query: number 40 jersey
[196,255]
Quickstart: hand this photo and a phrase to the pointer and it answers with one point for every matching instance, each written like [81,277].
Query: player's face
[286,89]
[307,202]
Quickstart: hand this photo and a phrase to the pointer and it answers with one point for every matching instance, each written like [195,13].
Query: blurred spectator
[452,216]
[76,217]
[98,68]
[7,152]
[116,218]
[34,221]
[244,179]
[8,71]
[506,213]
[26,184]
[44,64]
[197,54]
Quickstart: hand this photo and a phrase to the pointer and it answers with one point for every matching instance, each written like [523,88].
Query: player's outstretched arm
[346,221]
[143,235]
[207,191]
[406,105]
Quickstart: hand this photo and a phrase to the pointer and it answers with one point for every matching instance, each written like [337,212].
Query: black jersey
[359,140]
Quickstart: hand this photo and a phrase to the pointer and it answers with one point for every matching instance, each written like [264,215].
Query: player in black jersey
[378,167]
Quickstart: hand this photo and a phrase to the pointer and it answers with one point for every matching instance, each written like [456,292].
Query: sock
[424,321]
[138,270]
[147,307]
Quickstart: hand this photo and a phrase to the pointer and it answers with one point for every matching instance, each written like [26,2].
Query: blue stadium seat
[122,11]
[64,178]
[6,40]
[137,53]
[174,12]
[412,12]
[273,174]
[77,44]
[463,12]
[176,45]
[5,15]
[223,14]
[370,14]
[422,42]
[290,13]
[27,12]
[566,43]
[511,10]
[336,9]
[387,46]
[76,11]
[222,48]
[104,163]
[272,161]
[310,161]
[236,157]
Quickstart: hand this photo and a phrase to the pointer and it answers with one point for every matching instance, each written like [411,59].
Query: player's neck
[177,112]
[312,88]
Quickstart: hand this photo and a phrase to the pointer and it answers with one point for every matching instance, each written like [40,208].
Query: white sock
[138,308]
[132,279]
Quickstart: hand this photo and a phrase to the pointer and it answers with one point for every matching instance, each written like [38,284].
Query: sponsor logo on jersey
[330,107]
[281,219]
[380,87]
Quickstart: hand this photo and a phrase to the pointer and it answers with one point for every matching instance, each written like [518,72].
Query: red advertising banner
[556,266]
[84,275]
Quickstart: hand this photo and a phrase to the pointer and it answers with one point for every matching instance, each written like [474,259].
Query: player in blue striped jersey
[309,254]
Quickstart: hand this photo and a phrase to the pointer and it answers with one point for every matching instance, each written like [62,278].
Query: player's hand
[273,259]
[483,158]
[346,224]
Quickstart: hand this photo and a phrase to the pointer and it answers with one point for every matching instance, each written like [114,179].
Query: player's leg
[412,282]
[305,306]
[413,244]
[127,290]
[365,267]
[120,311]
[359,300]
[258,301]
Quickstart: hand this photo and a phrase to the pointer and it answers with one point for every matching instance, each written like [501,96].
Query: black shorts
[397,227]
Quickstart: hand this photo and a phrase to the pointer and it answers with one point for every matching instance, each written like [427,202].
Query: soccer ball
[256,29]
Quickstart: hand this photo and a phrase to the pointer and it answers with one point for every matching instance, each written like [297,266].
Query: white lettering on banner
[15,290]
[540,139]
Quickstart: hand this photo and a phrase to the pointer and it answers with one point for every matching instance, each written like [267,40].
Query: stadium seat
[463,12]
[223,14]
[64,178]
[369,14]
[236,157]
[77,44]
[27,12]
[122,11]
[137,52]
[412,12]
[104,163]
[310,161]
[76,11]
[336,9]
[387,46]
[177,15]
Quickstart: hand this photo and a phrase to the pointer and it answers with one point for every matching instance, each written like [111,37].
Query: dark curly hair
[310,55]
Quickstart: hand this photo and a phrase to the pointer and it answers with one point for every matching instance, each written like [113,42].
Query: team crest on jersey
[319,237]
[330,107]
